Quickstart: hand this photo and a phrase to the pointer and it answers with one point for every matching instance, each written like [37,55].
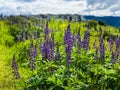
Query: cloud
[84,7]
[16,7]
[102,3]
[103,7]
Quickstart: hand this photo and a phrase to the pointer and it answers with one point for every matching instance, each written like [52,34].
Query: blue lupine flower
[51,55]
[45,50]
[102,48]
[114,57]
[111,42]
[68,41]
[32,54]
[15,68]
[85,42]
[48,47]
[46,31]
[117,43]
[18,38]
[58,56]
[67,35]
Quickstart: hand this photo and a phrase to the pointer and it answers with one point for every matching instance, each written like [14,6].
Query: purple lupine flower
[102,48]
[68,54]
[114,57]
[15,68]
[68,41]
[102,51]
[67,35]
[111,42]
[46,31]
[113,60]
[24,36]
[58,56]
[14,65]
[30,49]
[18,38]
[117,43]
[32,54]
[35,53]
[45,50]
[51,55]
[87,34]
[32,64]
[48,49]
[85,42]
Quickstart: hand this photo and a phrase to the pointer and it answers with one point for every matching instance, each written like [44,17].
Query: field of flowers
[58,54]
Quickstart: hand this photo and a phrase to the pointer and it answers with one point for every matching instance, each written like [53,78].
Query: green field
[59,56]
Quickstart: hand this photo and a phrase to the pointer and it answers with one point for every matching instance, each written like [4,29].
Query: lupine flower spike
[86,39]
[15,68]
[68,41]
[57,56]
[33,55]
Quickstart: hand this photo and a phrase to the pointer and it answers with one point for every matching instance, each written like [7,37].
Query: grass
[7,81]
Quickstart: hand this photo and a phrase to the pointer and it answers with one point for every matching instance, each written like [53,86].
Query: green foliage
[5,38]
[102,23]
[83,73]
[93,23]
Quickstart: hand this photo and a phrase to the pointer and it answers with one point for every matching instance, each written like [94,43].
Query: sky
[83,7]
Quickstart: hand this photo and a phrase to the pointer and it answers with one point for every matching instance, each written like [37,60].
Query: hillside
[110,20]
[58,55]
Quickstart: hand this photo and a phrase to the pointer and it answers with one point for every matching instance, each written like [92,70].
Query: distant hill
[110,20]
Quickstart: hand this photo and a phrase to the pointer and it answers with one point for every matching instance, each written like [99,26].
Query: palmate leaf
[98,69]
[35,80]
[56,80]
[81,74]
[51,79]
[47,65]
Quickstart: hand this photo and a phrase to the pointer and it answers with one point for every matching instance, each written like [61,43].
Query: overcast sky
[84,7]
